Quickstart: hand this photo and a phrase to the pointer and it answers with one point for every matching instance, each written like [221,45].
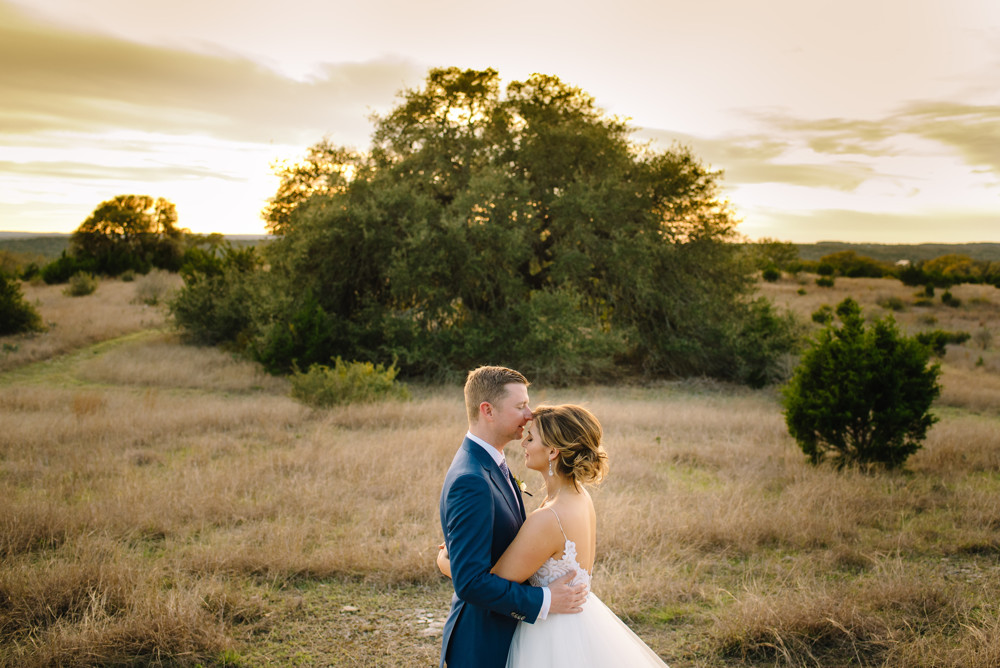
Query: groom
[481,511]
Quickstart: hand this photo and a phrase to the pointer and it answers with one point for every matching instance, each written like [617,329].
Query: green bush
[861,396]
[825,281]
[949,299]
[65,267]
[350,382]
[217,304]
[823,315]
[937,340]
[771,274]
[81,284]
[16,314]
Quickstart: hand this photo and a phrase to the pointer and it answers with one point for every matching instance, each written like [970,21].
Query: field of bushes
[165,504]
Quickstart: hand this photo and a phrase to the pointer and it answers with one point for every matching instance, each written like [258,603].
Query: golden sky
[854,120]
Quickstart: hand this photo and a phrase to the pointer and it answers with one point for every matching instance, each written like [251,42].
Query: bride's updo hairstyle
[576,434]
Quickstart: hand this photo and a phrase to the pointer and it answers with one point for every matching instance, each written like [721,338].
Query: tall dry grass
[170,505]
[74,322]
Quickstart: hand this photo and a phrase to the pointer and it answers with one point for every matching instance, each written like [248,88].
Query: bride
[563,443]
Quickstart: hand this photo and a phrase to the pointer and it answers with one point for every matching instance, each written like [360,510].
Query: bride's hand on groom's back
[567,598]
[443,562]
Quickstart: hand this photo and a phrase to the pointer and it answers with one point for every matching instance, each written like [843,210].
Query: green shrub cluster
[16,314]
[347,382]
[937,340]
[861,396]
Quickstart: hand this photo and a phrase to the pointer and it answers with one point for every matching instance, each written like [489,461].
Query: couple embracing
[522,581]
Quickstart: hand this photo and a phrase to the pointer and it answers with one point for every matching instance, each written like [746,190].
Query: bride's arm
[538,539]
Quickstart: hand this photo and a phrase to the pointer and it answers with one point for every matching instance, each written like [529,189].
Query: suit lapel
[496,476]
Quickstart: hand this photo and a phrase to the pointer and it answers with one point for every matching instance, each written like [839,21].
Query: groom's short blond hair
[488,383]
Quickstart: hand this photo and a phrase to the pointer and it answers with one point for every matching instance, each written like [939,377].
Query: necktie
[506,473]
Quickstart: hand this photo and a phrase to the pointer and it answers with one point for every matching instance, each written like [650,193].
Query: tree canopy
[130,232]
[517,226]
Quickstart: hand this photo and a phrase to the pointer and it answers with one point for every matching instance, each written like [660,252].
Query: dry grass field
[162,504]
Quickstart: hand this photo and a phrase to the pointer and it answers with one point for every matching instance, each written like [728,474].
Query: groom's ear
[486,410]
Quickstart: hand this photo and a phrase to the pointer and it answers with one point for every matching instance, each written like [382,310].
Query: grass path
[61,371]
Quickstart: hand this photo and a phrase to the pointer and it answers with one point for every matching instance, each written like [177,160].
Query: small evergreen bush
[937,340]
[347,382]
[81,284]
[949,299]
[16,314]
[825,281]
[861,395]
[823,315]
[771,274]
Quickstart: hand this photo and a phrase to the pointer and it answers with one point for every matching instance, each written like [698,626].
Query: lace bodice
[553,569]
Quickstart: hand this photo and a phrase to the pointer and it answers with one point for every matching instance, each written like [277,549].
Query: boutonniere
[521,486]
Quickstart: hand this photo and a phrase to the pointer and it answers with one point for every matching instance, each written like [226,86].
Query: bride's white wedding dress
[594,638]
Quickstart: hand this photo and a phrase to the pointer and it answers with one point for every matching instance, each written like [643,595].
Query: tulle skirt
[594,638]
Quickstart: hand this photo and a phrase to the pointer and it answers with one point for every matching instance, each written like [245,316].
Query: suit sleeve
[469,530]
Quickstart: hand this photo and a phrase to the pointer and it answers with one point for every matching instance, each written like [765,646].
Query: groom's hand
[567,598]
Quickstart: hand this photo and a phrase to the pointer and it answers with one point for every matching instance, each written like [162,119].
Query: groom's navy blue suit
[480,515]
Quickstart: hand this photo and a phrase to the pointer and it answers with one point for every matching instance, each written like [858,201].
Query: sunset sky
[854,120]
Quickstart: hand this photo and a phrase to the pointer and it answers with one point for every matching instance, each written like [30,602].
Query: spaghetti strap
[565,537]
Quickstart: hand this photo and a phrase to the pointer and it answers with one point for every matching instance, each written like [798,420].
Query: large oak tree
[518,226]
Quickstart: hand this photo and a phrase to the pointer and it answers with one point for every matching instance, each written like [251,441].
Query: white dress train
[594,638]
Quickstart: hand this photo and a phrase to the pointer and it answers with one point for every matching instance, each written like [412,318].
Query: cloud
[55,79]
[974,130]
[86,170]
[763,158]
[941,226]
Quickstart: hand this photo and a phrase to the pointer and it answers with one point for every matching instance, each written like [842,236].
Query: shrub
[892,303]
[64,268]
[128,276]
[345,383]
[771,274]
[152,288]
[761,342]
[823,315]
[862,396]
[16,314]
[825,281]
[949,299]
[936,340]
[983,338]
[216,305]
[81,284]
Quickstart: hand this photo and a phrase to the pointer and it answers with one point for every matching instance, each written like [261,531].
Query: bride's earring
[551,472]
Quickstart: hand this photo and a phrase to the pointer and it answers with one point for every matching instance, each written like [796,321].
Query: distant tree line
[772,257]
[127,234]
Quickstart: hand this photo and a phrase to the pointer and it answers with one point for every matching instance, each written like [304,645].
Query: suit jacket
[480,515]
